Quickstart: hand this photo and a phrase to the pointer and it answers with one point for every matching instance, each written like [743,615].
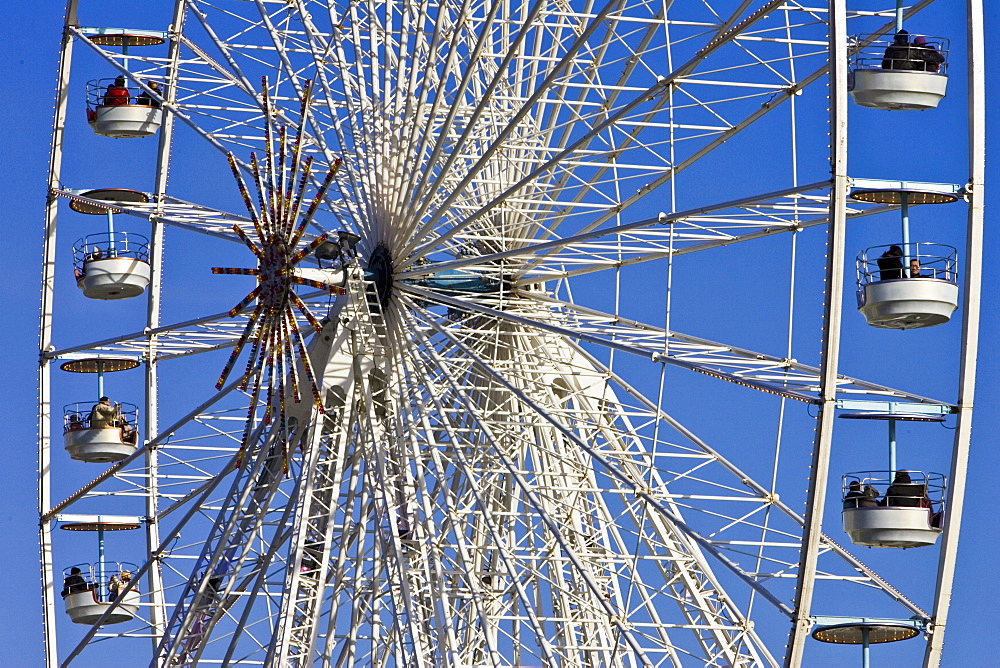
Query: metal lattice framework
[470,461]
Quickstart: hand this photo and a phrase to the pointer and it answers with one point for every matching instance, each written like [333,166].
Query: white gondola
[124,121]
[110,265]
[85,608]
[100,445]
[93,590]
[907,82]
[121,108]
[123,275]
[888,517]
[922,294]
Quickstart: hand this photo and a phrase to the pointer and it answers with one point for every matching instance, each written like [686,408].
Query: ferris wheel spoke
[774,375]
[748,480]
[714,550]
[543,415]
[185,338]
[439,498]
[426,81]
[577,372]
[608,122]
[649,238]
[228,548]
[869,575]
[540,511]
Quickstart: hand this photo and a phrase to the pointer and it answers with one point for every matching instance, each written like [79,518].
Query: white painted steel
[46,417]
[485,486]
[970,331]
[833,307]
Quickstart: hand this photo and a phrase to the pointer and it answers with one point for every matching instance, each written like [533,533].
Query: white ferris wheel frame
[663,236]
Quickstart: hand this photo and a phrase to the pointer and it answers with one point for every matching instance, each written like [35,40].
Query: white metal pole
[100,558]
[970,333]
[154,576]
[892,448]
[45,343]
[904,210]
[813,529]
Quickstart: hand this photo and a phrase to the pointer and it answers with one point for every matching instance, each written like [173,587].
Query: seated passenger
[74,583]
[915,268]
[858,498]
[128,432]
[147,99]
[926,54]
[890,264]
[75,423]
[114,586]
[213,586]
[903,492]
[116,94]
[103,415]
[898,55]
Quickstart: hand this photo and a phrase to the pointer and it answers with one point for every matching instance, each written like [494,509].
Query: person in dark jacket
[898,55]
[903,492]
[926,54]
[147,99]
[890,264]
[74,583]
[858,498]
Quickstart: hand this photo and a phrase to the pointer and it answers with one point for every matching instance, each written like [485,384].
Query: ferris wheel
[412,385]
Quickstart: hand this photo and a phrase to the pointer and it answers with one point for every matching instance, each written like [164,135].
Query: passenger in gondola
[915,268]
[213,586]
[116,94]
[103,415]
[890,264]
[898,55]
[128,431]
[75,423]
[926,54]
[147,99]
[860,498]
[114,586]
[74,583]
[903,492]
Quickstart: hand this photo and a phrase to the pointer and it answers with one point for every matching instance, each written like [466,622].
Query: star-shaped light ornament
[279,225]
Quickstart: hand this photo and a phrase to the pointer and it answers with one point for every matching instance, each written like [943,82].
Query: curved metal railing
[914,260]
[77,415]
[108,245]
[915,489]
[880,52]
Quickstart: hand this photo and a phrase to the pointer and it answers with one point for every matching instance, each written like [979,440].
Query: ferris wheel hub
[380,270]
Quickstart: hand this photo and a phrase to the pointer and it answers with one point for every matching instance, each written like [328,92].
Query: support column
[812,531]
[45,416]
[970,334]
[157,611]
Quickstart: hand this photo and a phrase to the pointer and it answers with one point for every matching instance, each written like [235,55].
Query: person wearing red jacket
[116,94]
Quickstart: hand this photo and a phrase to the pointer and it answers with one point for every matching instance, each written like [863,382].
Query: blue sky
[30,52]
